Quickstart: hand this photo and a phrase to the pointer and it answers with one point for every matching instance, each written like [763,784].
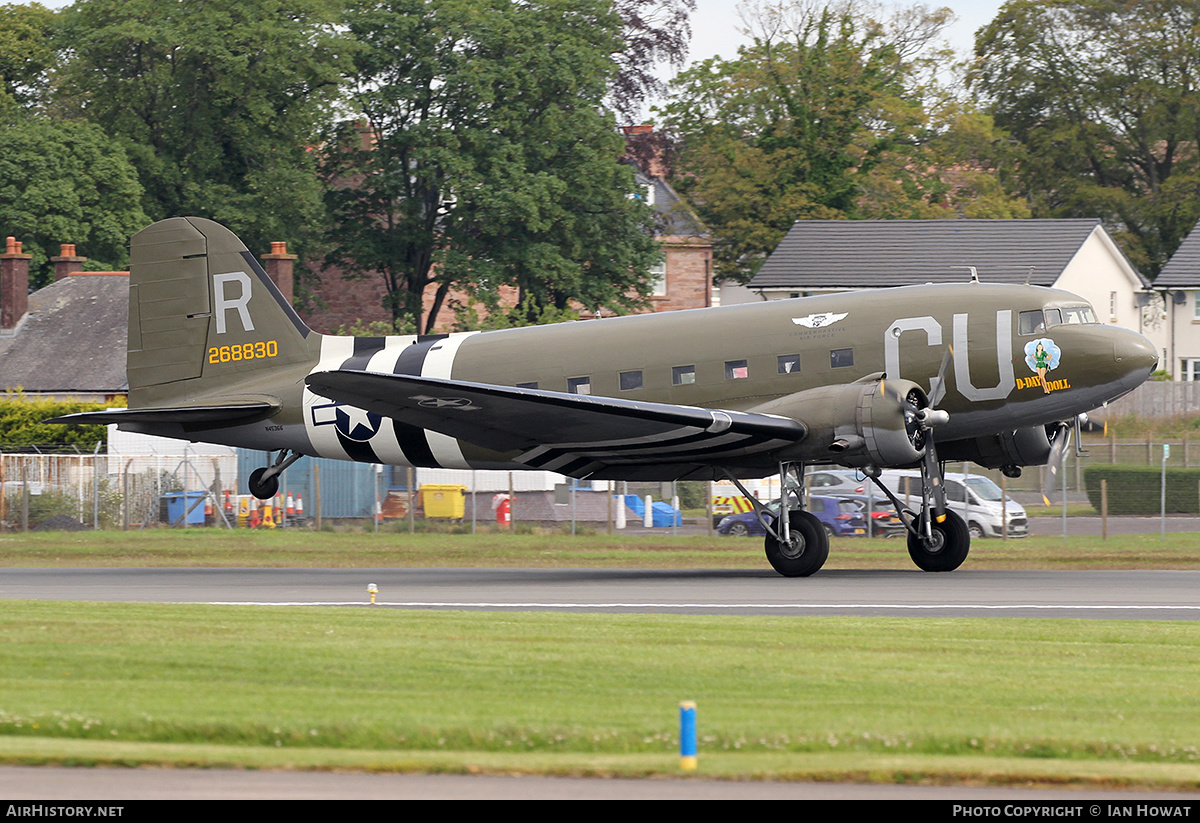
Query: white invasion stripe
[439,362]
[802,606]
[384,443]
[334,351]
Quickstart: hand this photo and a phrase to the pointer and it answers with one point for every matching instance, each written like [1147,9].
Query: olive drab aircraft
[902,377]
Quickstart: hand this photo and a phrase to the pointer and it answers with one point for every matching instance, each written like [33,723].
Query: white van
[972,496]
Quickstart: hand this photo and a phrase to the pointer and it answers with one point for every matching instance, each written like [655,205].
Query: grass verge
[996,701]
[299,548]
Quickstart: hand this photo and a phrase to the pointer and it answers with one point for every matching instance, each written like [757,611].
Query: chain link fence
[1118,477]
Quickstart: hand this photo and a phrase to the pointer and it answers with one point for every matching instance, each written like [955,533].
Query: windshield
[984,489]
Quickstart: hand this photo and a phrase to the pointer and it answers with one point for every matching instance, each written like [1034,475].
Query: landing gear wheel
[945,550]
[262,489]
[807,550]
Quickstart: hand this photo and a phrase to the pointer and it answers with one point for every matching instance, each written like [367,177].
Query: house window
[789,363]
[736,370]
[841,358]
[579,385]
[658,279]
[1112,305]
[1196,305]
[1191,369]
[683,375]
[631,380]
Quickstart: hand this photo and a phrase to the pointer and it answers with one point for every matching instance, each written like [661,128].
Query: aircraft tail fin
[205,320]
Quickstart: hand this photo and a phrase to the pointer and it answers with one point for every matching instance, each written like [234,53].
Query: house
[1179,285]
[1076,255]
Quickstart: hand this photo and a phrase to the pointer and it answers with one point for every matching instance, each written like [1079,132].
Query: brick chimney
[67,263]
[14,285]
[278,265]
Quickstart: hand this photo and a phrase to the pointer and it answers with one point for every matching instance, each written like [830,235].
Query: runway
[1108,595]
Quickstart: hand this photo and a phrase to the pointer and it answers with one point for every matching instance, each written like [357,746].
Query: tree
[653,31]
[67,183]
[796,125]
[26,55]
[484,157]
[218,104]
[1103,96]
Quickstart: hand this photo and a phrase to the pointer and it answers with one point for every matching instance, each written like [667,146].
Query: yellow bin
[444,500]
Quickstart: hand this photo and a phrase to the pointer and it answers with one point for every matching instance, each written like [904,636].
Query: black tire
[828,530]
[946,550]
[808,550]
[262,489]
[738,530]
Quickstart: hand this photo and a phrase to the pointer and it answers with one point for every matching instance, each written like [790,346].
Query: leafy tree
[67,183]
[1103,96]
[796,126]
[485,158]
[26,55]
[653,31]
[219,103]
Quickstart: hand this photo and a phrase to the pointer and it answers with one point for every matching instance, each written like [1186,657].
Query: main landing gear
[264,482]
[797,545]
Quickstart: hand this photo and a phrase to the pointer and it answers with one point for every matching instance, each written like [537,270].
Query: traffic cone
[228,503]
[278,511]
[291,505]
[299,507]
[254,513]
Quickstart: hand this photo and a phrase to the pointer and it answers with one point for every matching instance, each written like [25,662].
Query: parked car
[884,520]
[839,482]
[979,501]
[839,517]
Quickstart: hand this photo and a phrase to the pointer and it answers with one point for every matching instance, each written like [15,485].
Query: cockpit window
[1031,322]
[1036,322]
[1079,314]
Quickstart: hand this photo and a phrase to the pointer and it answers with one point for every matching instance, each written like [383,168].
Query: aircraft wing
[577,435]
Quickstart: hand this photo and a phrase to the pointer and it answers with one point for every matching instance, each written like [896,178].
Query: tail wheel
[945,549]
[806,550]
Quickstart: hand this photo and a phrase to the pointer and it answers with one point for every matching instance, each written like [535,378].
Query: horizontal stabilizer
[572,434]
[192,416]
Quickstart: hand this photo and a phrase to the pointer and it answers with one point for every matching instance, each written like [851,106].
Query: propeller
[1060,439]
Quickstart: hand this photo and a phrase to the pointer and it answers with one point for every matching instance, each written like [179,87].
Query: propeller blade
[1060,439]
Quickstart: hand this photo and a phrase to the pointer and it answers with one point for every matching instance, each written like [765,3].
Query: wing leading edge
[576,435]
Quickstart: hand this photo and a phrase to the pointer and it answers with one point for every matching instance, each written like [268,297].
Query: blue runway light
[687,735]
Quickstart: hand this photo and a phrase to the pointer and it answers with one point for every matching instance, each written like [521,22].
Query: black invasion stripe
[272,290]
[575,467]
[364,349]
[415,445]
[412,358]
[358,452]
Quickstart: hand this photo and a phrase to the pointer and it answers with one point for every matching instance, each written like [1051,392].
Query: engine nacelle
[1024,447]
[871,422]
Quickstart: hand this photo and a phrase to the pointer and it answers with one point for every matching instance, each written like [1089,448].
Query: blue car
[839,517]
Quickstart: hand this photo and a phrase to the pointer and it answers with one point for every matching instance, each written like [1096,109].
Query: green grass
[398,549]
[1087,702]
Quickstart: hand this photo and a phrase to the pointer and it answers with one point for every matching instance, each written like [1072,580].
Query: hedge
[1138,489]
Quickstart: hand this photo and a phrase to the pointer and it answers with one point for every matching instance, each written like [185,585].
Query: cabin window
[683,375]
[841,358]
[1053,317]
[631,380]
[579,385]
[532,385]
[1031,322]
[736,370]
[789,363]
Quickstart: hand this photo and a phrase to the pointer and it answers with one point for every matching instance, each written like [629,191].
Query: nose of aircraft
[1135,356]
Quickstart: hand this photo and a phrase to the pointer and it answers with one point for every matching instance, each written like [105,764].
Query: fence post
[1104,508]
